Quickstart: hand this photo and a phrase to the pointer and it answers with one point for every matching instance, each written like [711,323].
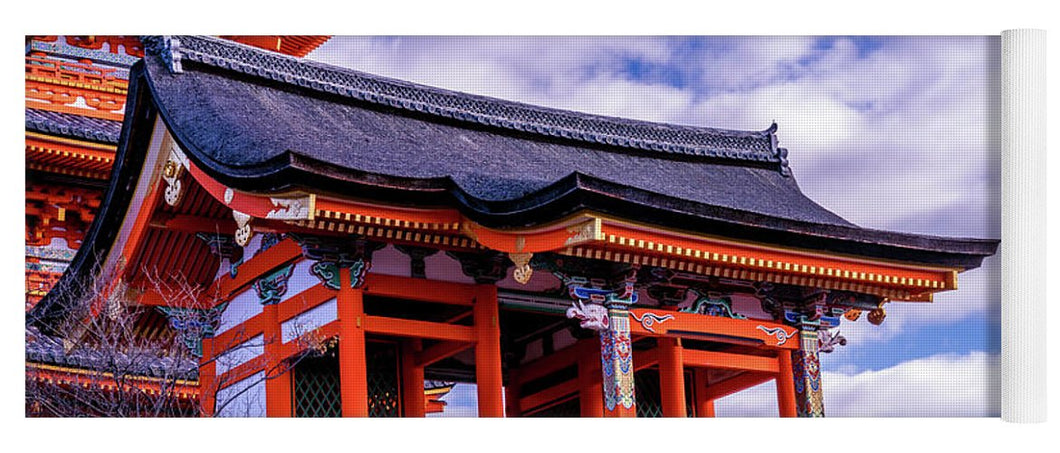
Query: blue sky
[893,133]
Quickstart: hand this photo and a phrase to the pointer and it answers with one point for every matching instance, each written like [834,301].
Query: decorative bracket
[172,173]
[272,287]
[243,232]
[523,271]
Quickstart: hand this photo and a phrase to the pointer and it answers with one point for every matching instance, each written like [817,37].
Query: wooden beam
[417,329]
[736,383]
[548,395]
[441,351]
[786,386]
[489,378]
[672,377]
[419,289]
[729,361]
[556,361]
[192,224]
[645,359]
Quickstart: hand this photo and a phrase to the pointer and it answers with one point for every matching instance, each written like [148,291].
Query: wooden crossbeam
[418,329]
[729,361]
[552,363]
[441,351]
[737,383]
[548,395]
[419,289]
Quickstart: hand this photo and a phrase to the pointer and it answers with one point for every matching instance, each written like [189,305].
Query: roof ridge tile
[752,146]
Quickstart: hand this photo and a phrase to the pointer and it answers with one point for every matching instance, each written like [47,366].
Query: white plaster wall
[309,320]
[245,398]
[252,247]
[445,268]
[301,279]
[749,306]
[244,306]
[240,354]
[389,261]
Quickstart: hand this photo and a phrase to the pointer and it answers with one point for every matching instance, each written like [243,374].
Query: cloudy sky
[894,133]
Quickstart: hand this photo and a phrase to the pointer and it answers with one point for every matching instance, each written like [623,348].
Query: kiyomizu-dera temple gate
[354,240]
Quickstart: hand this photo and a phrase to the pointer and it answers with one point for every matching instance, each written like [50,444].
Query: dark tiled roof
[238,123]
[664,138]
[73,126]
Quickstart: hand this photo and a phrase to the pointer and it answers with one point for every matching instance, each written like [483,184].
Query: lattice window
[649,395]
[384,397]
[316,387]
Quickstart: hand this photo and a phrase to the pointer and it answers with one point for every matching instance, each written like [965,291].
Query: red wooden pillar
[488,376]
[414,400]
[704,406]
[672,377]
[278,383]
[353,373]
[785,385]
[512,393]
[590,389]
[207,378]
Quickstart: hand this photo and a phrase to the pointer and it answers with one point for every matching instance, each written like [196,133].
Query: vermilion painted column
[412,380]
[488,375]
[806,371]
[672,377]
[590,389]
[704,405]
[207,376]
[278,383]
[353,373]
[616,359]
[785,385]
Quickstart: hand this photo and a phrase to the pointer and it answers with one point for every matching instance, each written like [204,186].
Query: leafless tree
[97,357]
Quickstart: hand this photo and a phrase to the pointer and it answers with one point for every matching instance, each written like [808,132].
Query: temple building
[352,239]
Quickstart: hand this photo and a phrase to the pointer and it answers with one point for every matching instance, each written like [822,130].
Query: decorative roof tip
[166,47]
[747,146]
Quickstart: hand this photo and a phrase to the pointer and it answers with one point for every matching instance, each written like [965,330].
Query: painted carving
[852,314]
[779,333]
[290,208]
[172,174]
[877,316]
[272,287]
[827,342]
[582,233]
[706,305]
[358,271]
[243,231]
[806,367]
[649,319]
[592,316]
[522,271]
[616,355]
[192,325]
[328,273]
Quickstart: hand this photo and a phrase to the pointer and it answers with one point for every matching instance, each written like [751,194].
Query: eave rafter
[585,235]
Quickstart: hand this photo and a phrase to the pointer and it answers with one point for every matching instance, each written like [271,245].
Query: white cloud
[901,138]
[936,386]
